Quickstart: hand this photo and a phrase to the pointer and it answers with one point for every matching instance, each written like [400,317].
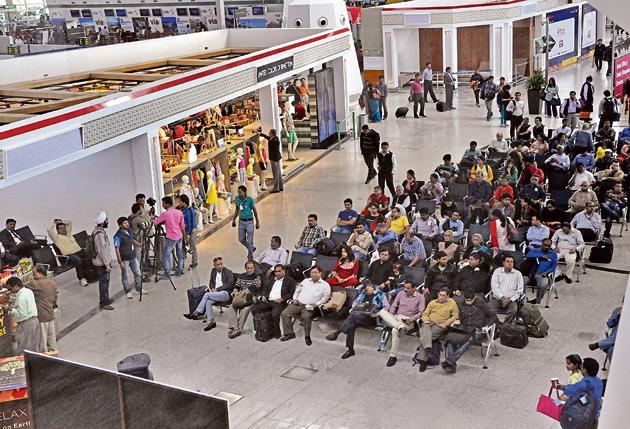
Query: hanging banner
[563,36]
[622,72]
[589,28]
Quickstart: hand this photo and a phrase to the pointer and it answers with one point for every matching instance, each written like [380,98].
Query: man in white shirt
[276,293]
[507,288]
[272,256]
[516,107]
[308,295]
[24,313]
[563,129]
[427,77]
[559,161]
[500,145]
[581,176]
[567,242]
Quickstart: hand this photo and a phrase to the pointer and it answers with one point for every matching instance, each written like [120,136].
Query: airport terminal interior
[314,214]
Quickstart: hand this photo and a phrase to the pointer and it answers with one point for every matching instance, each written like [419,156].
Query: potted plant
[534,84]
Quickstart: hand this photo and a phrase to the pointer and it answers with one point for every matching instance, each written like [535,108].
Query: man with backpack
[608,109]
[488,92]
[369,141]
[583,399]
[98,248]
[123,243]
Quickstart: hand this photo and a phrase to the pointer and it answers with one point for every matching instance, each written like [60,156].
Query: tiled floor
[359,392]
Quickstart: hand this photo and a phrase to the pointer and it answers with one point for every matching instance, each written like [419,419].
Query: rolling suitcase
[440,106]
[263,325]
[136,365]
[401,112]
[89,270]
[195,294]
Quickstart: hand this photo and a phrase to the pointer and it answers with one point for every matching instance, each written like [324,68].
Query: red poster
[622,72]
[355,15]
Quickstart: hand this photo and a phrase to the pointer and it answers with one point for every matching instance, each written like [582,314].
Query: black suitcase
[434,356]
[195,295]
[440,106]
[401,112]
[514,335]
[89,270]
[602,253]
[263,325]
[136,365]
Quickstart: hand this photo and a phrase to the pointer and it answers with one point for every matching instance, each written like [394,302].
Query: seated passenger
[272,256]
[559,161]
[398,222]
[506,207]
[424,226]
[439,314]
[406,309]
[507,288]
[410,185]
[588,222]
[477,245]
[276,293]
[584,195]
[612,173]
[607,345]
[472,153]
[373,218]
[380,272]
[220,288]
[481,169]
[386,238]
[60,232]
[16,246]
[403,199]
[454,224]
[364,311]
[310,294]
[533,190]
[612,207]
[360,241]
[439,276]
[580,176]
[377,197]
[448,169]
[605,161]
[412,251]
[448,246]
[475,316]
[547,263]
[448,206]
[537,232]
[479,191]
[250,282]
[501,229]
[311,235]
[551,215]
[567,242]
[502,190]
[584,158]
[433,189]
[605,134]
[499,145]
[347,218]
[473,276]
[346,271]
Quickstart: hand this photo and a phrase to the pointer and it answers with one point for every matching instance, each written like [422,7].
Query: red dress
[345,272]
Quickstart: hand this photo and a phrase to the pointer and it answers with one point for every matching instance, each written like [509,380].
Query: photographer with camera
[60,232]
[140,222]
[141,198]
[173,221]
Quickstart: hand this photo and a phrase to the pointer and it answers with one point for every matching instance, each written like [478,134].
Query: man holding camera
[140,222]
[60,232]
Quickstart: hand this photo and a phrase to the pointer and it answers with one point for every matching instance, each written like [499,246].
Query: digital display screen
[121,12]
[75,13]
[194,11]
[156,12]
[257,10]
[86,13]
[145,12]
[182,11]
[109,12]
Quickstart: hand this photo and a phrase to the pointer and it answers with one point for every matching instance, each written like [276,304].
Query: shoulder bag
[241,299]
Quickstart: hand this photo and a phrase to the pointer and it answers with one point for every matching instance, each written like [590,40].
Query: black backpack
[263,325]
[90,246]
[580,411]
[514,335]
[326,247]
[296,272]
[602,253]
[608,108]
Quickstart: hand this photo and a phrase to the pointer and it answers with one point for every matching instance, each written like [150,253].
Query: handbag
[457,335]
[514,237]
[242,299]
[366,308]
[543,94]
[548,406]
[555,101]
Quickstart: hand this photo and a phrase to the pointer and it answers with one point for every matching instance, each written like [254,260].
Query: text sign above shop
[274,69]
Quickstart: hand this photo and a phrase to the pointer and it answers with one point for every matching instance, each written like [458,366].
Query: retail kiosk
[74,144]
[467,34]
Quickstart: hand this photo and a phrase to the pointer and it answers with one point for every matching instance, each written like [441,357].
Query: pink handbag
[548,407]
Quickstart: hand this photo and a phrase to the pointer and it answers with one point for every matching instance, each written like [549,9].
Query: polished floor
[359,392]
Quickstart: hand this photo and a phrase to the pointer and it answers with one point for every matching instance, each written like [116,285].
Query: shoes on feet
[308,341]
[391,361]
[106,307]
[593,346]
[129,295]
[559,278]
[83,282]
[233,333]
[287,337]
[192,316]
[568,280]
[211,325]
[333,336]
[347,354]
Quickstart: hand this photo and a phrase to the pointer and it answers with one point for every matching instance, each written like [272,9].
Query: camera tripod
[153,242]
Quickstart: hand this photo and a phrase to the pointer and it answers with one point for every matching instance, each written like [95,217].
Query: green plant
[536,81]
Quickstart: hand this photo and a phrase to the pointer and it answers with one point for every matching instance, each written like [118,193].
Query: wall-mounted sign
[274,69]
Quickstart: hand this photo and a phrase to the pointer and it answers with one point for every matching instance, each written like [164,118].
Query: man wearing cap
[103,260]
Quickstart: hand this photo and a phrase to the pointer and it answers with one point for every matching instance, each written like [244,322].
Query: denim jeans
[455,353]
[208,300]
[134,266]
[76,260]
[309,250]
[502,113]
[541,285]
[103,286]
[489,104]
[246,236]
[360,256]
[178,245]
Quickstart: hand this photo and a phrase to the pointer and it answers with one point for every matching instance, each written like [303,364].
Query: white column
[390,55]
[507,51]
[342,101]
[269,110]
[147,165]
[449,47]
[220,5]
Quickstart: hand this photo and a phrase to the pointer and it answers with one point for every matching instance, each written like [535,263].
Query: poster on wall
[622,72]
[155,24]
[126,23]
[169,24]
[563,33]
[326,112]
[210,15]
[183,25]
[589,28]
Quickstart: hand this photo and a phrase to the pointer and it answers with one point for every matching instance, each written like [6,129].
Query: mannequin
[289,127]
[224,197]
[192,153]
[241,174]
[201,210]
[252,179]
[263,161]
[250,170]
[187,189]
[212,200]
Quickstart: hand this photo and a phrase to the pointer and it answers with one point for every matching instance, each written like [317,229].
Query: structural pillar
[449,47]
[391,58]
[147,165]
[342,101]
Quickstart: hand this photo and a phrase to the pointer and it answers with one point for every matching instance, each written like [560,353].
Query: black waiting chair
[428,247]
[303,258]
[428,204]
[363,268]
[326,263]
[517,255]
[561,197]
[26,233]
[483,229]
[458,191]
[340,237]
[81,238]
[416,275]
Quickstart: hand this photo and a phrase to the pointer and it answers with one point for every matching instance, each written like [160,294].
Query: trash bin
[363,119]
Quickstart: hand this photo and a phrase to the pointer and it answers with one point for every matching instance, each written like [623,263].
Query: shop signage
[622,72]
[274,69]
[5,334]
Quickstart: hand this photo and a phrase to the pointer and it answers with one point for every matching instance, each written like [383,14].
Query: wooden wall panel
[523,49]
[431,48]
[473,48]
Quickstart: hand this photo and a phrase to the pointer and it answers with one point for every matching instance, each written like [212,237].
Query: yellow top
[212,197]
[249,170]
[399,225]
[575,377]
[438,312]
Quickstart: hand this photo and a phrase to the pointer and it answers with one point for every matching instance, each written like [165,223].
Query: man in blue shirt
[245,213]
[190,233]
[454,224]
[537,232]
[586,159]
[547,263]
[384,235]
[123,243]
[591,381]
[607,345]
[347,218]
